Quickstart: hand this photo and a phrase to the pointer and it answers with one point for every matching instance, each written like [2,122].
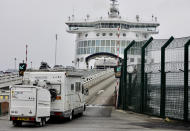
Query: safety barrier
[96,78]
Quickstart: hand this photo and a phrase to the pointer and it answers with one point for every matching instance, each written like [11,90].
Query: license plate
[23,119]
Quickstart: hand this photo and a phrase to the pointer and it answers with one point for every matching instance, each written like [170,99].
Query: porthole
[98,34]
[86,35]
[103,34]
[111,34]
[124,34]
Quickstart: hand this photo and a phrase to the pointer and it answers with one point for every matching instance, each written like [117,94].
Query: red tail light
[13,118]
[32,119]
[58,113]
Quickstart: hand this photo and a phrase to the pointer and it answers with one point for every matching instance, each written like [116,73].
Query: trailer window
[72,87]
[57,87]
[78,86]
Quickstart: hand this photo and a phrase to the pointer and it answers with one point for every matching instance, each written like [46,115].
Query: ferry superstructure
[109,35]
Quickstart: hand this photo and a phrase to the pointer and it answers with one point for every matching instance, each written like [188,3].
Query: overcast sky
[35,22]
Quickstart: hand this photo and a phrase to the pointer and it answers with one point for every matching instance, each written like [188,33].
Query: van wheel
[81,114]
[71,116]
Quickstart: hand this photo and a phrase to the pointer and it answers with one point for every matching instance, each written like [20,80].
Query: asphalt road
[99,118]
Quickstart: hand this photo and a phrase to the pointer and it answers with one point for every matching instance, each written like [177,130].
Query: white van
[67,93]
[29,104]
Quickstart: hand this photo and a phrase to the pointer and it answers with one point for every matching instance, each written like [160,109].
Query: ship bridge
[108,35]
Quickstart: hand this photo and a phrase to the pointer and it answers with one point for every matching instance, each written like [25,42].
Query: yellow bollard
[1,97]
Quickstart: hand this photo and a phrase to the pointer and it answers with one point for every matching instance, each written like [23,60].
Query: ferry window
[93,42]
[85,43]
[124,34]
[108,49]
[103,43]
[77,86]
[123,43]
[88,50]
[103,34]
[89,43]
[108,43]
[82,50]
[132,51]
[85,51]
[86,35]
[111,25]
[111,34]
[92,50]
[97,49]
[132,60]
[113,43]
[98,34]
[72,87]
[97,42]
[102,49]
[82,44]
[127,43]
[113,50]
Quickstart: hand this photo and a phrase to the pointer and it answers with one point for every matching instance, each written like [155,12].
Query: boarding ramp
[95,76]
[9,79]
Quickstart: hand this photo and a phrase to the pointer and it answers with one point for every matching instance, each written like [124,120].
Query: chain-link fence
[152,77]
[158,84]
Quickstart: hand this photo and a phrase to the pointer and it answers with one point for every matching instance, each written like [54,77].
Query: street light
[15,62]
[31,64]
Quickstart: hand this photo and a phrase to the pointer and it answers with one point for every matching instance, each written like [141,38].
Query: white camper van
[29,104]
[67,93]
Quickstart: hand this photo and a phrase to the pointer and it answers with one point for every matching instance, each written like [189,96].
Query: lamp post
[31,64]
[56,37]
[15,62]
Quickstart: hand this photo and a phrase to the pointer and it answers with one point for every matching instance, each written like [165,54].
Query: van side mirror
[85,92]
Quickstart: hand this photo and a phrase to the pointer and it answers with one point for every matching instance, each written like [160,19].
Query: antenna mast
[114,11]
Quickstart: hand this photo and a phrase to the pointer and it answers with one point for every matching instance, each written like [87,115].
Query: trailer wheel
[17,123]
[43,121]
[40,124]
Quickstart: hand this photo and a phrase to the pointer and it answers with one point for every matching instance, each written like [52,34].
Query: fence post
[186,83]
[130,87]
[125,74]
[143,71]
[120,97]
[119,103]
[163,78]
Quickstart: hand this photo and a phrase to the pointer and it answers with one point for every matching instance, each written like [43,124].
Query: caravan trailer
[29,104]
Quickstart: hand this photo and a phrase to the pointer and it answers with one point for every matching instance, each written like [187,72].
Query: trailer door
[23,101]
